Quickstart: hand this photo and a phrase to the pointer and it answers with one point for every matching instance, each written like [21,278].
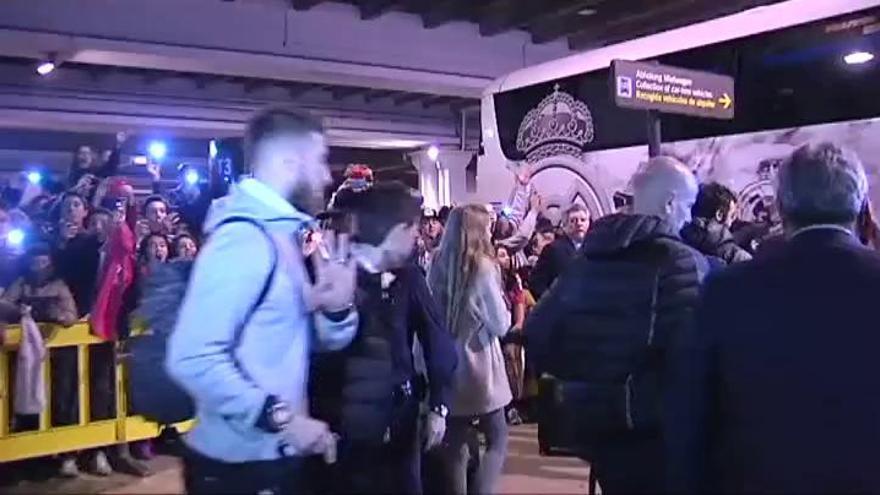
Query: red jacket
[114,282]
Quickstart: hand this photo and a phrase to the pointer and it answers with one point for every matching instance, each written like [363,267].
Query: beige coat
[61,307]
[481,384]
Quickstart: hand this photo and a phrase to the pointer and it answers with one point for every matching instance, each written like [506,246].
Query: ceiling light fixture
[858,57]
[587,12]
[433,153]
[46,67]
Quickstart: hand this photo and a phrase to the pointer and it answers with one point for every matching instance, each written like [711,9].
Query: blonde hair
[465,245]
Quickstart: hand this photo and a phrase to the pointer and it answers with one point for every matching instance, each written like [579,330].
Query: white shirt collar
[268,197]
[822,226]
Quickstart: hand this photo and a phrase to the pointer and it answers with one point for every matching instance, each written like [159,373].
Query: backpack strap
[267,285]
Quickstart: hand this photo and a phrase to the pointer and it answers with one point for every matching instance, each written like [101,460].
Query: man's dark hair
[73,194]
[378,209]
[153,199]
[544,225]
[711,199]
[443,214]
[98,211]
[273,122]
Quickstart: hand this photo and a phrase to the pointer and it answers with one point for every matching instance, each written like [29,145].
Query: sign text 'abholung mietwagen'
[648,86]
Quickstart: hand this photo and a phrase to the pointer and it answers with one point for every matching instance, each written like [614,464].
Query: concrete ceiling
[200,67]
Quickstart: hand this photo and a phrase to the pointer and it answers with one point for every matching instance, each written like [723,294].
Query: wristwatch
[276,415]
[440,410]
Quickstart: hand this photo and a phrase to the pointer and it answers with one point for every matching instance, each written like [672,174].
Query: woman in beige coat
[467,284]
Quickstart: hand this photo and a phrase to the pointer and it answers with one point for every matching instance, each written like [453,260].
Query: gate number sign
[648,86]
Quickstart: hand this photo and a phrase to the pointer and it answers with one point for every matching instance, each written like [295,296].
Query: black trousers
[205,476]
[630,464]
[377,468]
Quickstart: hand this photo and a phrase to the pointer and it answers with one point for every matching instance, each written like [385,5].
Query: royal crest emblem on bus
[559,125]
[757,200]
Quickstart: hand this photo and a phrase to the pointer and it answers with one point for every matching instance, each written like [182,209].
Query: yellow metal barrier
[49,440]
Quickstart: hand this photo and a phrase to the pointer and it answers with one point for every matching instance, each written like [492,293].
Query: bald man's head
[666,188]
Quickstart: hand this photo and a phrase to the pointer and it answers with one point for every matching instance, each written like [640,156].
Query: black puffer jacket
[713,239]
[619,306]
[553,261]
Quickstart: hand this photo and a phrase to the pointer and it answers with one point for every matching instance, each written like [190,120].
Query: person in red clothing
[116,297]
[118,269]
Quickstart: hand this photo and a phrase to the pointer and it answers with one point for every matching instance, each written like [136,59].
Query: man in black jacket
[377,412]
[555,257]
[709,232]
[606,326]
[775,392]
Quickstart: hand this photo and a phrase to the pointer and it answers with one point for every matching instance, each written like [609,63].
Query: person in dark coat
[88,167]
[555,257]
[370,392]
[709,231]
[605,328]
[774,390]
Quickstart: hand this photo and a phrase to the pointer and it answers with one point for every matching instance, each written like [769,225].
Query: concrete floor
[526,472]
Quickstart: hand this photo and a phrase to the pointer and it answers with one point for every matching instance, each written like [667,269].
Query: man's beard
[306,199]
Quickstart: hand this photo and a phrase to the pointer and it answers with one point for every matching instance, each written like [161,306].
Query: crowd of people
[77,248]
[368,345]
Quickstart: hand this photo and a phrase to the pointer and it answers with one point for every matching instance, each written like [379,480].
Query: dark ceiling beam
[371,9]
[405,98]
[441,12]
[619,16]
[376,94]
[296,90]
[563,21]
[251,85]
[504,15]
[152,76]
[437,101]
[304,4]
[343,92]
[202,81]
[465,104]
[641,22]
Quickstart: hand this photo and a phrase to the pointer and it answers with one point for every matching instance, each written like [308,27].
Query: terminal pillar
[443,182]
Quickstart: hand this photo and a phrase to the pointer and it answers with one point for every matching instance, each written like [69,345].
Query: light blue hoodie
[230,381]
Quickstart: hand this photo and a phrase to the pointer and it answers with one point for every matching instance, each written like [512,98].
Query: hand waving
[523,174]
[335,271]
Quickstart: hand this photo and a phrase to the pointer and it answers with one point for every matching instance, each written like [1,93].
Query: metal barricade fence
[86,434]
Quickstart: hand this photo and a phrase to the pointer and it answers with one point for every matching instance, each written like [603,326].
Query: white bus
[804,70]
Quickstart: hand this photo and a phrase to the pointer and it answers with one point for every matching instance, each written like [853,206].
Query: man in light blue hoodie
[251,317]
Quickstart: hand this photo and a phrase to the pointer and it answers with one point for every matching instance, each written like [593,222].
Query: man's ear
[719,216]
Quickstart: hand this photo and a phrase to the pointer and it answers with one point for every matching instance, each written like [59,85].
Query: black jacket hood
[615,233]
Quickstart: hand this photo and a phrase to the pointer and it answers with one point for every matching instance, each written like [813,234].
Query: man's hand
[170,223]
[310,437]
[155,170]
[335,271]
[435,430]
[68,230]
[398,245]
[523,174]
[535,201]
